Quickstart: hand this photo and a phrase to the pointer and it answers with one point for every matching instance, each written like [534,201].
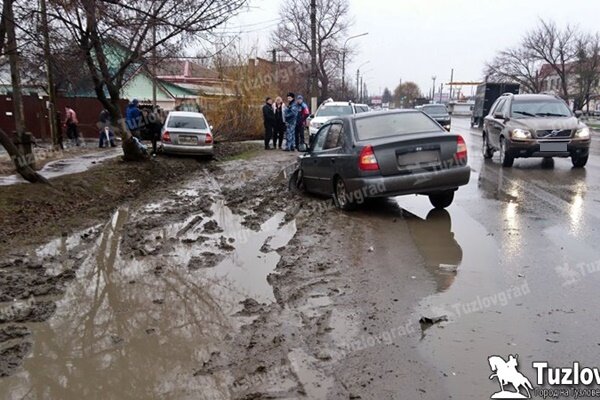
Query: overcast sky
[417,39]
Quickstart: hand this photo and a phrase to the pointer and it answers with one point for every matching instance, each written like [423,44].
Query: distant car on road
[534,125]
[188,133]
[333,109]
[439,113]
[383,154]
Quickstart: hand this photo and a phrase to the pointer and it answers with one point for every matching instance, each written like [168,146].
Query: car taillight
[461,149]
[166,137]
[367,160]
[208,138]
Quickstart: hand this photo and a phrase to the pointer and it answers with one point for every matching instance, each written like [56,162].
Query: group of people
[280,119]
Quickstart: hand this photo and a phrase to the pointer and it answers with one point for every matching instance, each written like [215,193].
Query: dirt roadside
[223,285]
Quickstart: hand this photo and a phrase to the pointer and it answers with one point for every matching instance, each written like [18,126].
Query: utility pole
[274,68]
[51,106]
[357,84]
[433,78]
[451,81]
[441,88]
[313,54]
[344,50]
[361,89]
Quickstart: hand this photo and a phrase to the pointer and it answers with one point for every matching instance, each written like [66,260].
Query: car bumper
[579,148]
[186,150]
[420,183]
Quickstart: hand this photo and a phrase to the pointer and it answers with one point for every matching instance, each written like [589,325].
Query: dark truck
[487,94]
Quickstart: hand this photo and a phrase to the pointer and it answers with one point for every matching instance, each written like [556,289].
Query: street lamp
[344,61]
[433,78]
[358,77]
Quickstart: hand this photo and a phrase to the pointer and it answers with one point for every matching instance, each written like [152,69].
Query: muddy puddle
[67,166]
[151,302]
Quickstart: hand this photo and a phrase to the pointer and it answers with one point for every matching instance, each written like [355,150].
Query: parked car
[534,125]
[186,132]
[382,154]
[333,109]
[487,93]
[439,113]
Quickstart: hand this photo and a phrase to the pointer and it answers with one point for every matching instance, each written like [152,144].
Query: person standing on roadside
[279,131]
[71,125]
[291,117]
[133,118]
[303,113]
[269,121]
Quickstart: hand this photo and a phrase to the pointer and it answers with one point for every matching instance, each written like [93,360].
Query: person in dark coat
[269,121]
[303,113]
[280,125]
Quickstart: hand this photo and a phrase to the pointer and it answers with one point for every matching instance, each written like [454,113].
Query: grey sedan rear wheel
[341,197]
[442,200]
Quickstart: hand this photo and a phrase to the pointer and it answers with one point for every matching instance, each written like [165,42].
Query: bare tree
[115,38]
[556,47]
[586,69]
[292,36]
[22,156]
[516,65]
[406,93]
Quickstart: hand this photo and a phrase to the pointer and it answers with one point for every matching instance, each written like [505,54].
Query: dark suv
[534,125]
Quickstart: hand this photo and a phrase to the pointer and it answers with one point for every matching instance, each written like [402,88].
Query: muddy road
[230,287]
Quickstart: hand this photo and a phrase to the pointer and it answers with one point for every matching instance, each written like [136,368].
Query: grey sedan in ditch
[383,154]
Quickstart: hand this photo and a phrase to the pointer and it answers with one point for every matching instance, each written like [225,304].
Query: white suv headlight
[520,134]
[316,125]
[583,133]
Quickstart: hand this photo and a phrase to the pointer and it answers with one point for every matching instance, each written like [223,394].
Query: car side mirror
[311,116]
[578,113]
[499,116]
[302,147]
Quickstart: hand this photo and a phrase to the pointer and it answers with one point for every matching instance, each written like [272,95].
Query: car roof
[186,114]
[337,103]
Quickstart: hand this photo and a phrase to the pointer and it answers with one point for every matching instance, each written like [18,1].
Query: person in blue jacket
[133,117]
[291,119]
[303,113]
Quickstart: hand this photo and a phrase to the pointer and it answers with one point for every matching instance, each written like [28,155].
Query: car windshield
[435,110]
[334,111]
[387,125]
[539,108]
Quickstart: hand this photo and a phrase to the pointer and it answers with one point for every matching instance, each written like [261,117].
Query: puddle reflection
[435,241]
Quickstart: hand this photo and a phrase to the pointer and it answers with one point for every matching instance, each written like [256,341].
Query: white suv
[333,109]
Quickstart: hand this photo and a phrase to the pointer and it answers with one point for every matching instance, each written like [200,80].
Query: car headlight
[583,133]
[520,134]
[316,125]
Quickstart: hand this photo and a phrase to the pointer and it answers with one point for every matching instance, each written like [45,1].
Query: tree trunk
[20,160]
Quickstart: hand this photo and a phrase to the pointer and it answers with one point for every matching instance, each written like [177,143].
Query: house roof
[184,69]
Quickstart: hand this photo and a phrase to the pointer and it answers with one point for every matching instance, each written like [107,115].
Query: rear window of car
[186,122]
[334,111]
[386,125]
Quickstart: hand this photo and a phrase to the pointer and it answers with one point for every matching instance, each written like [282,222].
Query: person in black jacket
[280,125]
[269,120]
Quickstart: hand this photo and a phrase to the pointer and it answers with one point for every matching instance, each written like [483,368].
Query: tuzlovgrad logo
[566,382]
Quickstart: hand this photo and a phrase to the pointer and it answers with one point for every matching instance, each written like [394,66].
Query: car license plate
[192,140]
[553,147]
[419,159]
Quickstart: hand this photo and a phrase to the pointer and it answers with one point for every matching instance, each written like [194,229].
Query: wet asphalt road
[513,264]
[525,242]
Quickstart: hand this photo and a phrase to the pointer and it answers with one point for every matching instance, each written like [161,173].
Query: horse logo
[506,372]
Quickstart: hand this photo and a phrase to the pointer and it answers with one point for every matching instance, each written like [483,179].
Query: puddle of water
[126,331]
[66,166]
